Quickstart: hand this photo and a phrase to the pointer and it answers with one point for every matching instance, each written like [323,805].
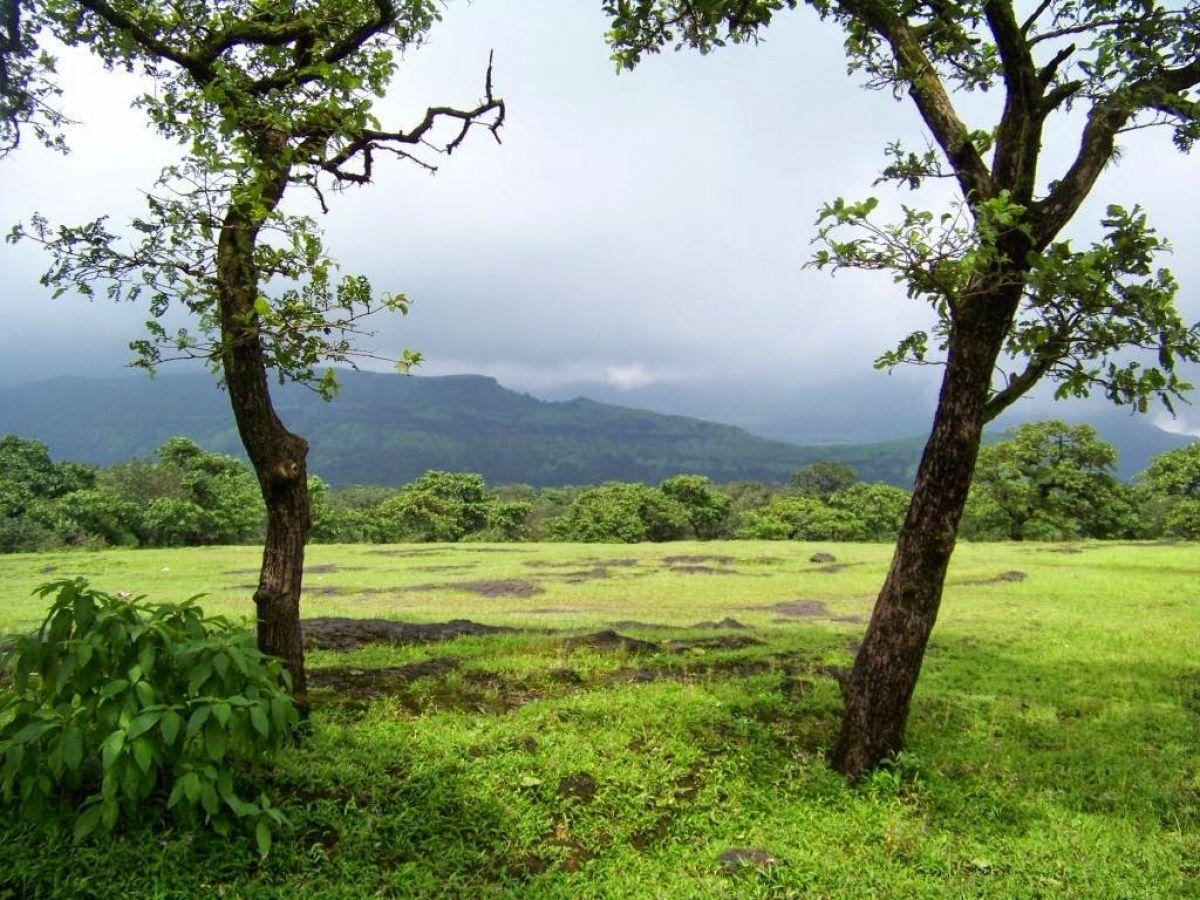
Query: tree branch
[929,94]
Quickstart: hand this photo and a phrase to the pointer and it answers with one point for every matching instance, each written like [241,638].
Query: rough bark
[278,456]
[878,692]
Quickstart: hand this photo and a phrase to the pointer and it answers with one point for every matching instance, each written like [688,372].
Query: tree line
[1049,481]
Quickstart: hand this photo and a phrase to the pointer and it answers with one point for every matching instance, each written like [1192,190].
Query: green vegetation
[116,704]
[1048,481]
[1051,749]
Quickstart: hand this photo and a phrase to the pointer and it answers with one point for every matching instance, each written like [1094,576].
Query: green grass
[1052,746]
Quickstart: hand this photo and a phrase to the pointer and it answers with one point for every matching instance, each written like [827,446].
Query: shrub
[618,512]
[125,705]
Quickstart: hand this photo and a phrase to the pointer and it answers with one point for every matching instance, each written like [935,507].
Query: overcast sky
[637,236]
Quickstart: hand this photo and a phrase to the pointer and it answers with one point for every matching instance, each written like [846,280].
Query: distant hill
[388,429]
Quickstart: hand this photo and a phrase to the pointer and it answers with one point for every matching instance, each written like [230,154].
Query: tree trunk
[878,691]
[278,456]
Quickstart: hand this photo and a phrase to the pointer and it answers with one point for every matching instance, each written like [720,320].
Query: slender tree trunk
[278,456]
[878,691]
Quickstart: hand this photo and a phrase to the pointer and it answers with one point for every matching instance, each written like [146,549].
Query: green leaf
[171,723]
[143,754]
[111,748]
[87,821]
[71,747]
[262,836]
[258,718]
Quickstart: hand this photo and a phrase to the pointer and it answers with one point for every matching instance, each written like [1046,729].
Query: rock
[822,558]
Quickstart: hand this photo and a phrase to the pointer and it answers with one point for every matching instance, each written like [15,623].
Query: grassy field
[1053,743]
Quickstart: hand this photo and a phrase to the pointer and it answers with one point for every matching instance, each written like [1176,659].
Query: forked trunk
[878,691]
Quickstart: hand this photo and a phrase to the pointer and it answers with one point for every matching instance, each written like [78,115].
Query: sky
[638,238]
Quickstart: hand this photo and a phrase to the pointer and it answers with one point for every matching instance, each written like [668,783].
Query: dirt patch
[831,569]
[369,684]
[445,567]
[241,572]
[547,610]
[324,591]
[808,609]
[580,787]
[740,858]
[501,587]
[585,575]
[1004,577]
[822,558]
[677,560]
[857,620]
[47,570]
[610,641]
[337,633]
[330,569]
[732,624]
[700,570]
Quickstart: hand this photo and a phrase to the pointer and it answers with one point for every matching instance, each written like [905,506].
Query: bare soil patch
[1011,576]
[610,641]
[324,590]
[330,569]
[585,575]
[367,684]
[690,569]
[676,560]
[501,587]
[338,633]
[815,609]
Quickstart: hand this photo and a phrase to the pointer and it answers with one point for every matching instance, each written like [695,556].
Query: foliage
[438,506]
[707,508]
[1171,487]
[801,518]
[823,479]
[622,513]
[880,508]
[123,704]
[1049,481]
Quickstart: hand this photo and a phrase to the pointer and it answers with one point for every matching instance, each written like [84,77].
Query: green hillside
[388,429]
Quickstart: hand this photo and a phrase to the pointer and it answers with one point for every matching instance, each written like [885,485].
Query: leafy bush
[622,513]
[801,518]
[120,703]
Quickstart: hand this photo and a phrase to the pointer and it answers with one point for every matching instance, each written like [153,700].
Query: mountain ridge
[387,429]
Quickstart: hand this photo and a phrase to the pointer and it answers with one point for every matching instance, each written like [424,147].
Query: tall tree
[261,96]
[1003,282]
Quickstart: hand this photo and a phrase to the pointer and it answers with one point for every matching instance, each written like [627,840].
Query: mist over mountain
[388,429]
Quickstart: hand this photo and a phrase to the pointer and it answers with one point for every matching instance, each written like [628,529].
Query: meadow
[652,721]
